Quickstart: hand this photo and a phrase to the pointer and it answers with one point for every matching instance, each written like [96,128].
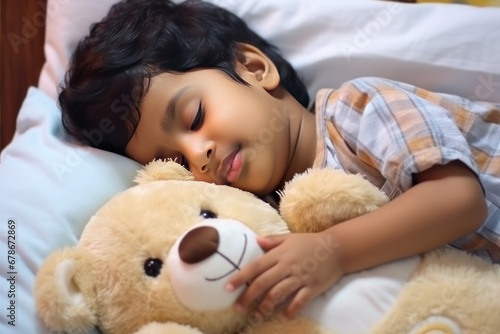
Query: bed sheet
[50,186]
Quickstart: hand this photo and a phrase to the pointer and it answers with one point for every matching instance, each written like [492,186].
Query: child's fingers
[278,295]
[301,299]
[249,272]
[259,286]
[256,267]
[269,242]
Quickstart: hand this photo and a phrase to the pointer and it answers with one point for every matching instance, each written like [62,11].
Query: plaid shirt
[386,131]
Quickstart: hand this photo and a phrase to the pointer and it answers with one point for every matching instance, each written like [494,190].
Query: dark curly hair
[111,68]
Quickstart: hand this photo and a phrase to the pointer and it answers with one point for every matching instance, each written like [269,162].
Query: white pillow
[443,47]
[50,187]
[49,190]
[446,48]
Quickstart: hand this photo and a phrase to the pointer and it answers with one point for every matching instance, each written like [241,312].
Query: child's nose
[203,156]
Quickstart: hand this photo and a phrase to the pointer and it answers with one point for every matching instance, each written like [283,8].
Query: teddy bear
[156,258]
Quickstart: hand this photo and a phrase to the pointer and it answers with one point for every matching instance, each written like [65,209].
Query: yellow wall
[469,2]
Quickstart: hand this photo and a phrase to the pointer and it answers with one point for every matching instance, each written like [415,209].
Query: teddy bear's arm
[167,328]
[320,198]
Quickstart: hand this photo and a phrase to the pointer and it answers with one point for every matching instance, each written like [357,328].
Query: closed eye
[198,119]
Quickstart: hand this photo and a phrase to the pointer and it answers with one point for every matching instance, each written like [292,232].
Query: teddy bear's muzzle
[201,261]
[198,244]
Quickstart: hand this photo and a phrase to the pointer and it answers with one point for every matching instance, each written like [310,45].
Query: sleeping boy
[192,83]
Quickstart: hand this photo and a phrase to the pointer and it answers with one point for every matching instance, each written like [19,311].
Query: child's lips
[230,167]
[234,171]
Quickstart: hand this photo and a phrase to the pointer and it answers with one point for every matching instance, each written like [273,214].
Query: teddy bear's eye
[207,214]
[152,267]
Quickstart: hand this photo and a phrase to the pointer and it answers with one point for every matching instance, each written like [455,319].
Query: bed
[50,186]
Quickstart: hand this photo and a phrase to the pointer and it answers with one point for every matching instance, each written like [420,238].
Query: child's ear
[256,68]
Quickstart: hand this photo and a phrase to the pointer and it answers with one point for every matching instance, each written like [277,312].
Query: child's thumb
[269,242]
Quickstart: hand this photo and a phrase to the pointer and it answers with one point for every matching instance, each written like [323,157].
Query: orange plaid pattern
[388,131]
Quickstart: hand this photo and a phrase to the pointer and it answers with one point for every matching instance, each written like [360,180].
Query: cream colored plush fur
[101,281]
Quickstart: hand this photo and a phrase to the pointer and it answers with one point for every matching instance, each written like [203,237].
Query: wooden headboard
[23,32]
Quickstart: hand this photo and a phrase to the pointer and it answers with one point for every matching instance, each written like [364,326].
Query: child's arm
[445,204]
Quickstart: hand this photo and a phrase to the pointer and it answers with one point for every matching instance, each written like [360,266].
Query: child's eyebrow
[169,114]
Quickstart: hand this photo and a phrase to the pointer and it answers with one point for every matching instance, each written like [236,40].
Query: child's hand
[296,268]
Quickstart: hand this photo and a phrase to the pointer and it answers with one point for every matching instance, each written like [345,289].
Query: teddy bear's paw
[167,328]
[436,325]
[319,198]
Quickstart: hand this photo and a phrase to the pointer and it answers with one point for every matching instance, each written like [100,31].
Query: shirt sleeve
[396,131]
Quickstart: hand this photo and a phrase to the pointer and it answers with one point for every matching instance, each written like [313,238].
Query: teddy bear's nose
[198,244]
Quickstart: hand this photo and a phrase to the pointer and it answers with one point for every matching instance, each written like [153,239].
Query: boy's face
[225,132]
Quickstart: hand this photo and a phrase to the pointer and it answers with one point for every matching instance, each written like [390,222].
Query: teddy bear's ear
[163,170]
[60,300]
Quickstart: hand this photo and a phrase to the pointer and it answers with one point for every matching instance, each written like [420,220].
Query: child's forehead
[180,84]
[180,77]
